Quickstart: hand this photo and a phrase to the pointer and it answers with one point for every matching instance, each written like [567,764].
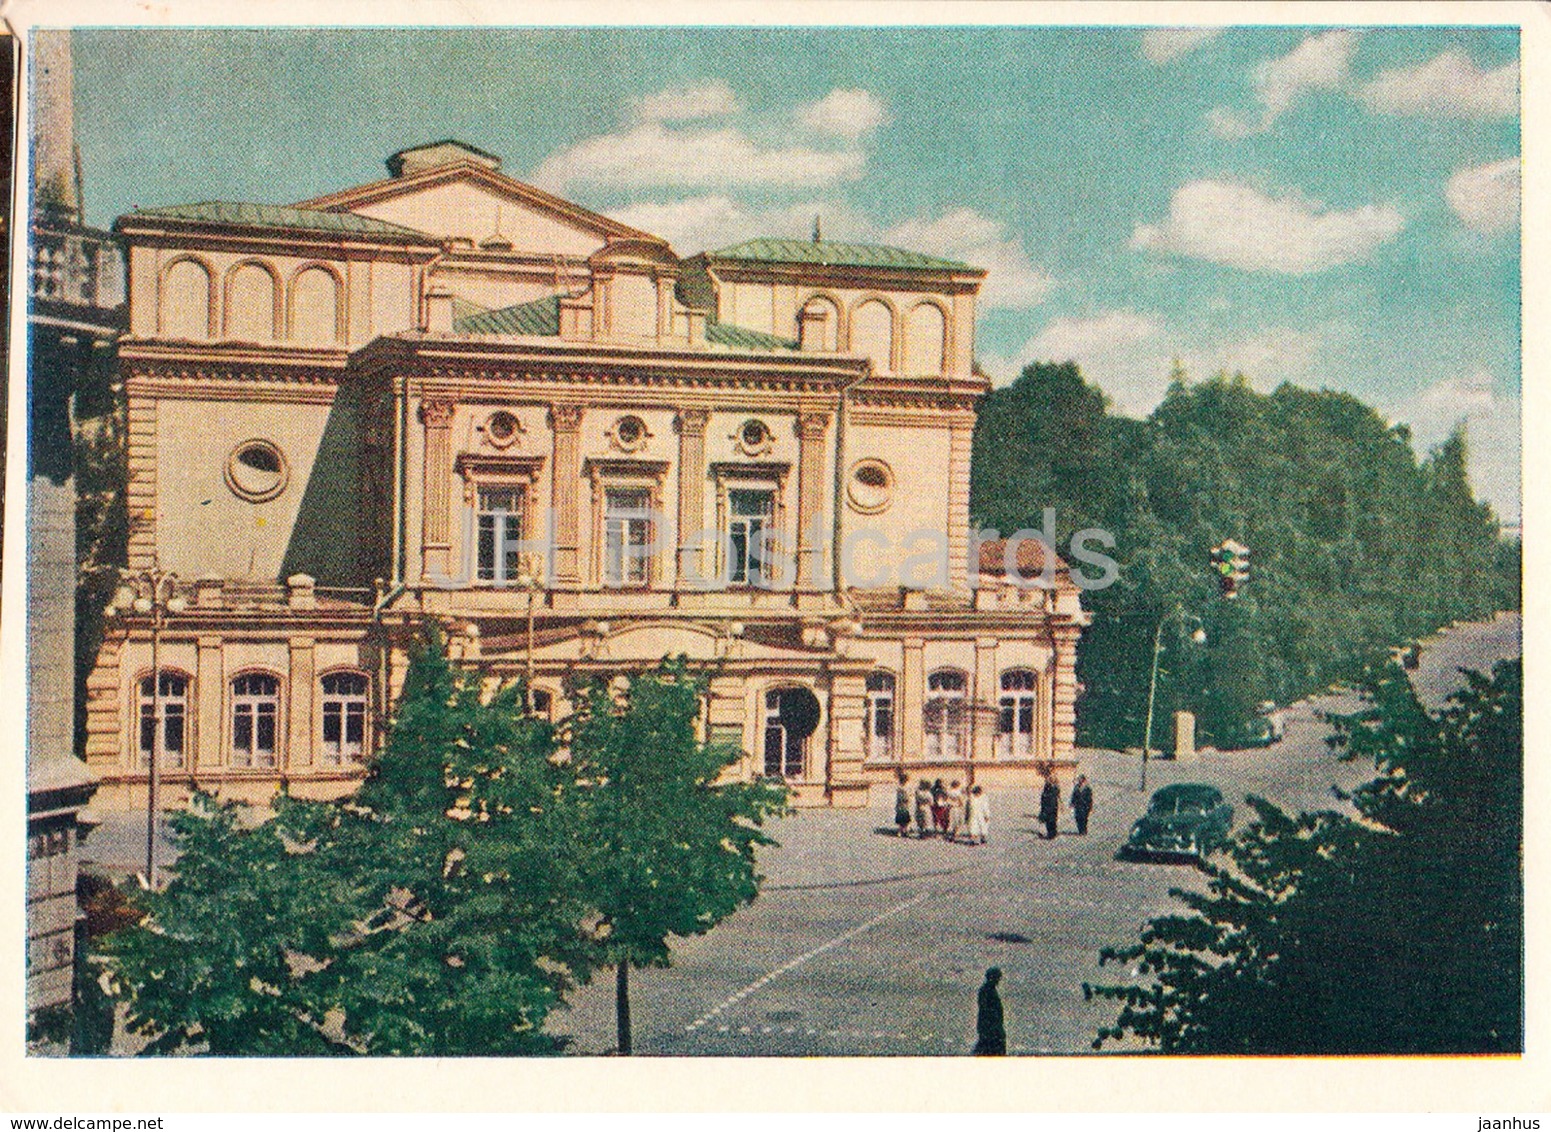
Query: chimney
[438,310]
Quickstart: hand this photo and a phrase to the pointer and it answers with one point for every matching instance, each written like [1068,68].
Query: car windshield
[1165,804]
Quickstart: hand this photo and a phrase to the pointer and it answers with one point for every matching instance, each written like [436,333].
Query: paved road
[863,944]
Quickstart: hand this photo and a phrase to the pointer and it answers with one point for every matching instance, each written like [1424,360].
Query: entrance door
[791,715]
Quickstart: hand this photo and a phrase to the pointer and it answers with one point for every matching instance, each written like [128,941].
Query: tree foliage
[1356,545]
[1399,931]
[435,912]
[487,865]
[668,850]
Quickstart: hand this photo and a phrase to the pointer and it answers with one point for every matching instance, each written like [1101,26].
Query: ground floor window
[791,716]
[880,715]
[255,720]
[1015,722]
[344,718]
[172,700]
[946,715]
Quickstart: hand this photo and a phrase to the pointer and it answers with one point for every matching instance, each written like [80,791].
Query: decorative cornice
[472,464]
[596,467]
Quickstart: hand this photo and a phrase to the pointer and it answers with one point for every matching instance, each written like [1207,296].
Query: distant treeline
[1356,545]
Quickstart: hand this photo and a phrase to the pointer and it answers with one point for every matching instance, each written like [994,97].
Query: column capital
[565,418]
[812,426]
[692,422]
[436,413]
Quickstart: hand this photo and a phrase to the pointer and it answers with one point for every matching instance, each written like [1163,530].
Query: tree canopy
[490,862]
[1399,931]
[1356,545]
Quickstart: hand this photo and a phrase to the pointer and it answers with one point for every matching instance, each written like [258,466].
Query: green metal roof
[539,317]
[725,334]
[279,216]
[824,252]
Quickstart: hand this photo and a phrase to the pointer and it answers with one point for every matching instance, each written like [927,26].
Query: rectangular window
[174,704]
[499,534]
[344,718]
[748,526]
[627,538]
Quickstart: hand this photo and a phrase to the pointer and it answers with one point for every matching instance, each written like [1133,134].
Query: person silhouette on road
[990,1031]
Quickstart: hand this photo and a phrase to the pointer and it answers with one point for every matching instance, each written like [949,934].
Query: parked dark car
[1183,822]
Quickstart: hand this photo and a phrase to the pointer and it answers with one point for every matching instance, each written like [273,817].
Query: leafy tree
[671,847]
[1398,932]
[1356,545]
[435,912]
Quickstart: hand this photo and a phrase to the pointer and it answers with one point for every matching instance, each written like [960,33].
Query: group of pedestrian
[951,812]
[1050,804]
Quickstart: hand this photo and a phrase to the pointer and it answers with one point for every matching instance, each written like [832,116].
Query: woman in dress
[902,805]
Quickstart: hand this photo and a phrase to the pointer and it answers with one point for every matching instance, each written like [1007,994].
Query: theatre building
[447,396]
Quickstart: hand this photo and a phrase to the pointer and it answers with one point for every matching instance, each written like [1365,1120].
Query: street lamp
[150,600]
[1199,637]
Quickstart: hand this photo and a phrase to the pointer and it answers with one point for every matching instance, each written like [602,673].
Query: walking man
[1050,806]
[1082,802]
[990,1031]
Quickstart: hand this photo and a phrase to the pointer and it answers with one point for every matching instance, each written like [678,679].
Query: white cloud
[1232,223]
[1320,62]
[1486,197]
[1164,45]
[1449,84]
[651,154]
[714,99]
[966,235]
[1071,339]
[1122,351]
[1492,432]
[1267,357]
[844,113]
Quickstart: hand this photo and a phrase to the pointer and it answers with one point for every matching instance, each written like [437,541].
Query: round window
[502,427]
[630,432]
[870,486]
[256,471]
[754,437]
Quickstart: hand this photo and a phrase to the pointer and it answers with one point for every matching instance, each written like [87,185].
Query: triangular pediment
[468,201]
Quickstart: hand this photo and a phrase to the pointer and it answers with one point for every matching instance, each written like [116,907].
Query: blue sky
[1333,207]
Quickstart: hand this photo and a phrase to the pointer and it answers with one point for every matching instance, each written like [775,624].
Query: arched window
[255,720]
[791,715]
[315,307]
[186,295]
[172,703]
[946,715]
[872,334]
[880,715]
[924,338]
[1015,721]
[819,325]
[251,296]
[344,718]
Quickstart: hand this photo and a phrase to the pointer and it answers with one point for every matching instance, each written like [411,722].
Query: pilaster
[436,493]
[566,472]
[301,683]
[209,682]
[1064,697]
[912,699]
[986,691]
[811,428]
[691,516]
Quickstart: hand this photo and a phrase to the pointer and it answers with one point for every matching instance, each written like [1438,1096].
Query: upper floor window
[749,523]
[500,534]
[344,718]
[171,700]
[880,714]
[627,534]
[255,720]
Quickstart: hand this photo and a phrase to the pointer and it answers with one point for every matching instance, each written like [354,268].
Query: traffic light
[1230,565]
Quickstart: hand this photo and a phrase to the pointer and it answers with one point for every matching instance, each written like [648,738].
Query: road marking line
[790,964]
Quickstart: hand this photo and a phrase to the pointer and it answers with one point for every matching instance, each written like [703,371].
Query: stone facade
[448,396]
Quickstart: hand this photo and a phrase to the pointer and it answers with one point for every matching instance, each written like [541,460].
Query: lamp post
[151,601]
[1199,637]
[530,582]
